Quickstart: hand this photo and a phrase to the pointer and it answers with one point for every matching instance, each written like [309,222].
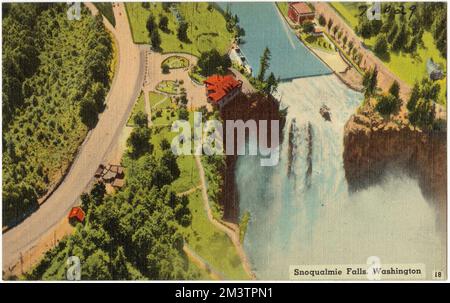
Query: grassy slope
[189,177]
[411,69]
[348,11]
[139,106]
[212,244]
[206,240]
[206,29]
[155,98]
[283,6]
[403,65]
[106,9]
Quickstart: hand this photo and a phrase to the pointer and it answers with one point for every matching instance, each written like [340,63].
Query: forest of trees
[212,62]
[55,78]
[403,32]
[421,104]
[133,234]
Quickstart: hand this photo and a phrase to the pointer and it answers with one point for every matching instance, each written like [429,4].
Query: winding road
[126,86]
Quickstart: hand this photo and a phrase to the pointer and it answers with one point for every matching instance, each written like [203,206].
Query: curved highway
[125,88]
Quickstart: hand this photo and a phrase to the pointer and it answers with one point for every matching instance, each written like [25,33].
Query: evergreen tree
[387,105]
[151,24]
[365,29]
[370,82]
[119,265]
[139,141]
[271,84]
[330,24]
[381,47]
[264,64]
[400,39]
[394,90]
[155,39]
[140,119]
[322,20]
[392,33]
[163,23]
[182,32]
[211,62]
[169,161]
[96,267]
[415,95]
[441,43]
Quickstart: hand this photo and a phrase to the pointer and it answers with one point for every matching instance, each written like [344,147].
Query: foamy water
[300,218]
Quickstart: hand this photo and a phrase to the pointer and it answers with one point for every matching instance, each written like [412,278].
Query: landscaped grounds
[139,106]
[168,86]
[174,62]
[206,27]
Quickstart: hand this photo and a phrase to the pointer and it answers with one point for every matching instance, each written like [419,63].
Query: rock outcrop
[253,106]
[373,145]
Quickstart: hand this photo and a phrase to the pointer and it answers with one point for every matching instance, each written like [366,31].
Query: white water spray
[301,211]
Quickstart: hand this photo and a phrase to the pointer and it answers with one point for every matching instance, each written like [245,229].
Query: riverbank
[368,60]
[334,59]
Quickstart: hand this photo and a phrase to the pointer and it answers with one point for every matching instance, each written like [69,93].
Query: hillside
[56,76]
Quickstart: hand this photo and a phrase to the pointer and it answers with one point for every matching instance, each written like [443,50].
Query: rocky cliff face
[373,145]
[245,107]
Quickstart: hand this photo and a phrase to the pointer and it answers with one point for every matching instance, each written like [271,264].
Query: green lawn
[156,98]
[164,116]
[196,76]
[283,7]
[174,62]
[349,11]
[406,67]
[318,42]
[189,177]
[212,244]
[206,30]
[138,106]
[106,9]
[410,69]
[205,239]
[202,274]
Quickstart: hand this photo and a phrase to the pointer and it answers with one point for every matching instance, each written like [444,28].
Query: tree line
[153,27]
[133,234]
[404,32]
[420,105]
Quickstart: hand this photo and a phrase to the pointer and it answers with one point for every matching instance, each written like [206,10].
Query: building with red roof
[222,89]
[300,12]
[76,213]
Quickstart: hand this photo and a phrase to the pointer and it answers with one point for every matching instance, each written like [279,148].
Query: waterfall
[301,211]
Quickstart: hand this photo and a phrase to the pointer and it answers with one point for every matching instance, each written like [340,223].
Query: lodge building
[222,89]
[300,12]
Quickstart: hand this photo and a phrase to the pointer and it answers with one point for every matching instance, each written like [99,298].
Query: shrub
[387,105]
[322,20]
[165,69]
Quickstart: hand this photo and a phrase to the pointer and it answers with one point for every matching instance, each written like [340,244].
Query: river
[301,211]
[265,27]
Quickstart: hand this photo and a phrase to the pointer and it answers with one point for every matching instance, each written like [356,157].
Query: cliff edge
[374,145]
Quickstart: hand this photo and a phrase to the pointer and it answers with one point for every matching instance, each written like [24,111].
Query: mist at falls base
[301,211]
